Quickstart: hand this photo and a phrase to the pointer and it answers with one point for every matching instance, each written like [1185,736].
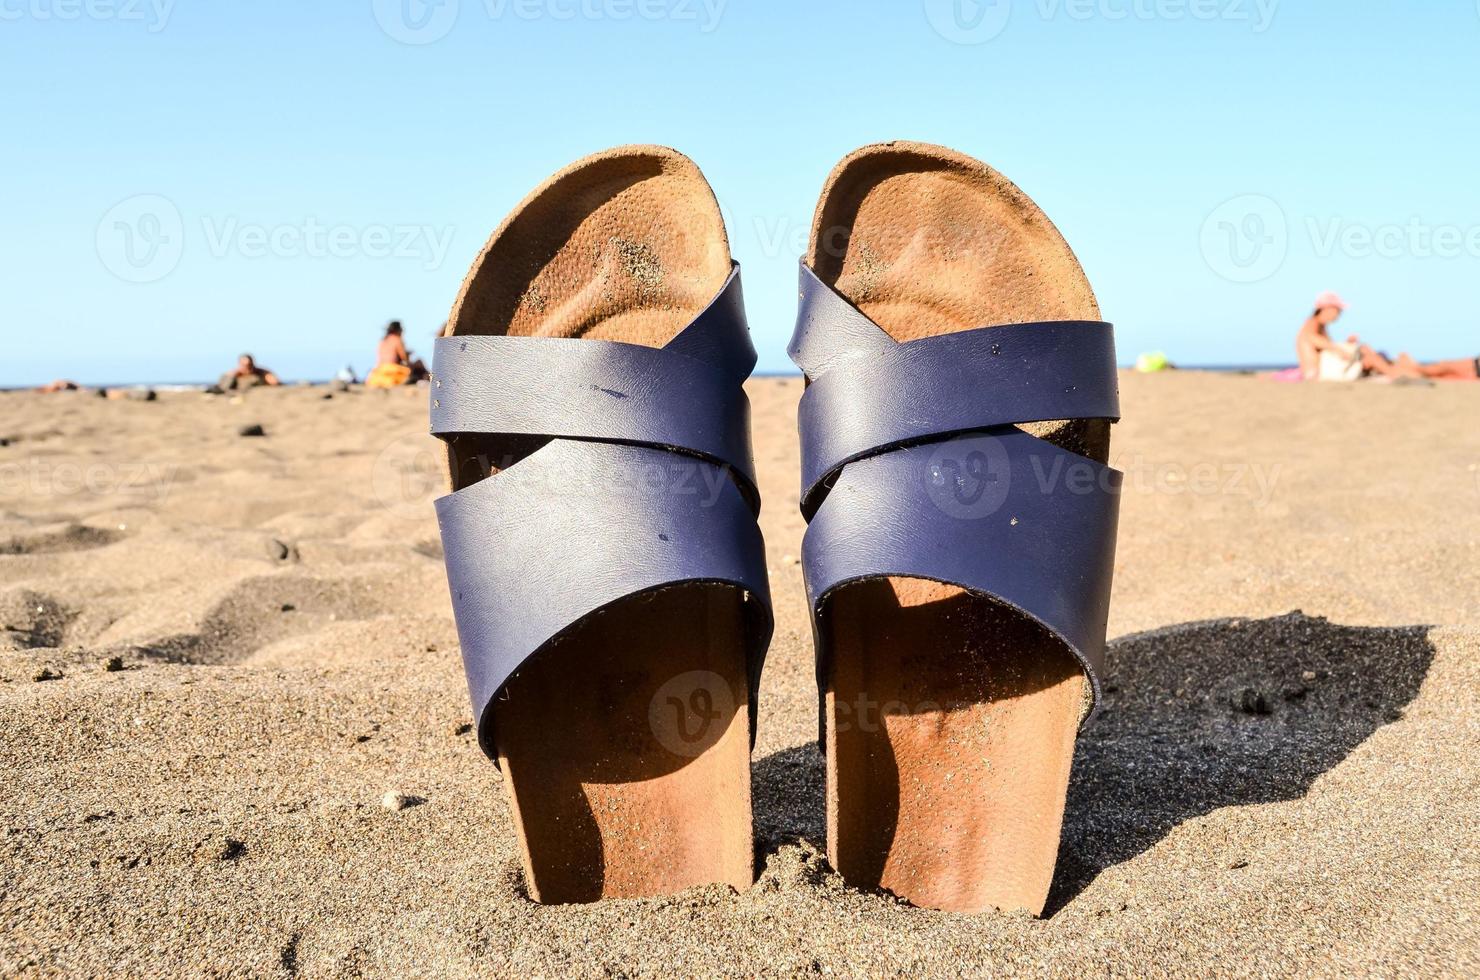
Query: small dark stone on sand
[288,955]
[1252,702]
[278,551]
[461,729]
[143,395]
[113,665]
[47,674]
[396,802]
[4,442]
[219,849]
[251,431]
[328,396]
[1238,865]
[1296,693]
[287,607]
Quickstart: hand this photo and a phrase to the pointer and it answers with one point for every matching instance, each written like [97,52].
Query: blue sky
[185,179]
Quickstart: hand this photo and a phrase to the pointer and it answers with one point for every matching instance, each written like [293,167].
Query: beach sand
[219,654]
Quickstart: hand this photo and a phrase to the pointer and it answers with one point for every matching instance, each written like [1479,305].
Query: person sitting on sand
[1375,362]
[247,374]
[394,364]
[1314,338]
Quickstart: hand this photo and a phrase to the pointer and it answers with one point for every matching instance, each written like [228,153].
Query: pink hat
[1330,299]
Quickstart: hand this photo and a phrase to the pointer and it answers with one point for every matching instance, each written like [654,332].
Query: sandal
[962,534]
[605,565]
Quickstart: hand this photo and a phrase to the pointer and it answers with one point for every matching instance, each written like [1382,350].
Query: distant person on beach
[61,384]
[394,364]
[247,374]
[1315,339]
[1375,362]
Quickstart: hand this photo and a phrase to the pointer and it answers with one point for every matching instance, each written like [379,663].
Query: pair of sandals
[609,578]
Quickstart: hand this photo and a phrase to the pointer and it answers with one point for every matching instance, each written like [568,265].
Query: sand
[248,649]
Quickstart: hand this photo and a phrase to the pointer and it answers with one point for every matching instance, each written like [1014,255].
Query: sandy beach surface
[219,653]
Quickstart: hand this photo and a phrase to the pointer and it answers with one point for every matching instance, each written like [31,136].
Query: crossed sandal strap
[912,466]
[686,396]
[636,492]
[870,393]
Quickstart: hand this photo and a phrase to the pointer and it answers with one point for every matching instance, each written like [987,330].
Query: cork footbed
[625,745]
[950,719]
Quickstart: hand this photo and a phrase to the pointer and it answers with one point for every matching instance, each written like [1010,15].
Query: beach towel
[388,376]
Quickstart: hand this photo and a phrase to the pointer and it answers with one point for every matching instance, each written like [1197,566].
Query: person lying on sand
[394,364]
[1375,362]
[61,384]
[247,374]
[1314,337]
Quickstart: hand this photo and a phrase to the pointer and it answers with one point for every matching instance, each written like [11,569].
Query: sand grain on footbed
[235,734]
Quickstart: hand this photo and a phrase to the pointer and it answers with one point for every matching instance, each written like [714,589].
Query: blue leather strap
[576,527]
[719,335]
[830,330]
[912,467]
[647,484]
[686,396]
[1003,515]
[957,382]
